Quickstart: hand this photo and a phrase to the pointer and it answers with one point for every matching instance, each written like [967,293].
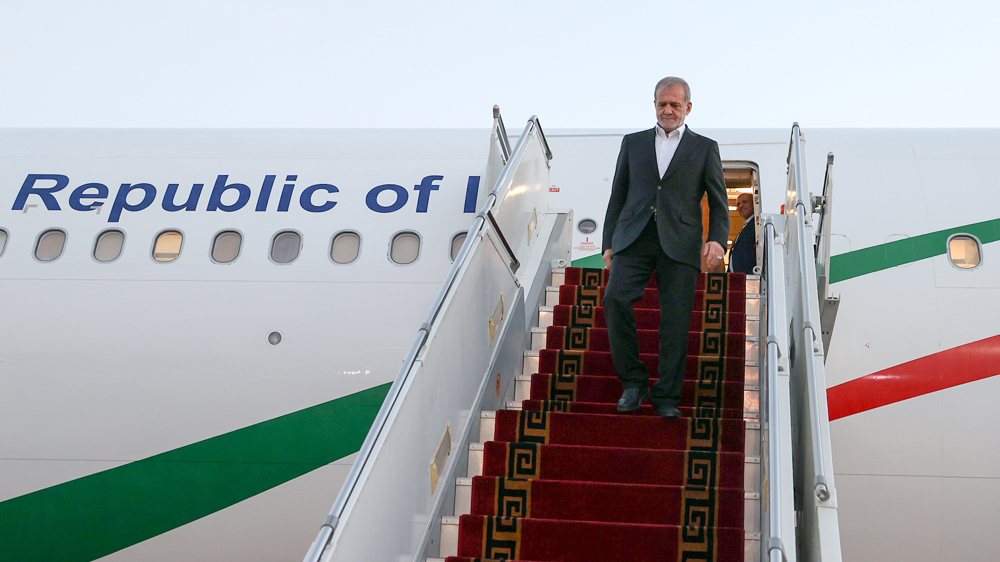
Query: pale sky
[133,63]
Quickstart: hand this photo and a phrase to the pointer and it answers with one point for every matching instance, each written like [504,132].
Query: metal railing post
[775,546]
[820,487]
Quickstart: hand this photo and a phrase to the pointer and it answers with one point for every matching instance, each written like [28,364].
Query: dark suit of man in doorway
[654,225]
[743,254]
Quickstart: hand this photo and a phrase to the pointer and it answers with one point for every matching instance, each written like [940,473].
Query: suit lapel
[683,152]
[649,151]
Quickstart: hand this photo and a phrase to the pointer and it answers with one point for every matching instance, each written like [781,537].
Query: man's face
[671,109]
[744,205]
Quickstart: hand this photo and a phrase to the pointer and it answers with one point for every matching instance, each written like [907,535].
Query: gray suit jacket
[637,190]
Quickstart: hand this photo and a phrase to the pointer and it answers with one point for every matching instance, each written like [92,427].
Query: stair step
[648,318]
[608,390]
[580,541]
[706,344]
[588,501]
[602,464]
[647,432]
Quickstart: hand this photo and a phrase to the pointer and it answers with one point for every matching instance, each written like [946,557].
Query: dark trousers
[631,269]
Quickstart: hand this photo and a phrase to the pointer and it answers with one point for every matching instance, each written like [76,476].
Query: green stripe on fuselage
[908,250]
[96,515]
[596,261]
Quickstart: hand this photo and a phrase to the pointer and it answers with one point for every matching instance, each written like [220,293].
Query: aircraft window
[285,247]
[405,248]
[226,247]
[964,251]
[456,244]
[109,245]
[346,247]
[168,246]
[3,240]
[50,245]
[587,226]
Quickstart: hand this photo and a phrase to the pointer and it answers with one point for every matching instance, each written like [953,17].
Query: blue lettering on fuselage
[136,197]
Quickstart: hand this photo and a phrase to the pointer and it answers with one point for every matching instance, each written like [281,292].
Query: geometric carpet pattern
[570,478]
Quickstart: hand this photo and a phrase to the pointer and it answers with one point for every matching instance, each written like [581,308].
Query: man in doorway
[654,225]
[743,254]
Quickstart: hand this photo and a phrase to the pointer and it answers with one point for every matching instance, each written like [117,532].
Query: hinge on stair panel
[530,364]
[751,373]
[551,296]
[538,337]
[463,496]
[476,452]
[752,439]
[827,318]
[449,537]
[522,387]
[487,426]
[751,474]
[545,316]
[558,275]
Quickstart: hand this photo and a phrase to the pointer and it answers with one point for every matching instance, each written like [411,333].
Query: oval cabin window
[346,247]
[285,247]
[3,241]
[404,248]
[587,226]
[456,244]
[226,247]
[109,245]
[50,245]
[168,246]
[964,251]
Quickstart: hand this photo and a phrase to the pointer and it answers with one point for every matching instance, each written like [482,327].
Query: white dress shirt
[666,146]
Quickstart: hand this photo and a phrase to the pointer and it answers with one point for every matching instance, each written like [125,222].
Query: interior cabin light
[964,251]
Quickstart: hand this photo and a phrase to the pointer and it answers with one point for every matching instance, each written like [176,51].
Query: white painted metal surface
[780,542]
[388,493]
[394,494]
[108,363]
[523,190]
[819,532]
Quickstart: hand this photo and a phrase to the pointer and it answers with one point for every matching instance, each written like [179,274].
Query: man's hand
[712,251]
[607,258]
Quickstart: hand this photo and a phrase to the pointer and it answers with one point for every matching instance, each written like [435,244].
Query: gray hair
[670,82]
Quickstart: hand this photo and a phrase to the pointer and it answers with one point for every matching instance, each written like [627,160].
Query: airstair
[499,439]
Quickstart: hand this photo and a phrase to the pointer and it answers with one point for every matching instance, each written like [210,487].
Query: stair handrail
[775,544]
[501,133]
[502,184]
[504,181]
[499,148]
[796,176]
[823,230]
[483,218]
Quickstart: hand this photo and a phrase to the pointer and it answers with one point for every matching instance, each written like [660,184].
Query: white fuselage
[104,364]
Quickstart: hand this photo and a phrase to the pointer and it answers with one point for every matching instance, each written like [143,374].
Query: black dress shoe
[667,412]
[632,398]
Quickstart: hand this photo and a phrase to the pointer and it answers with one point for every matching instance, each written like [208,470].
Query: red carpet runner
[569,478]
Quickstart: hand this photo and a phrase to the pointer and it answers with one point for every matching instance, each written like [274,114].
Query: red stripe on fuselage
[952,367]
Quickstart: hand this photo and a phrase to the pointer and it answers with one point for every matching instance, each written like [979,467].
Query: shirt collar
[678,132]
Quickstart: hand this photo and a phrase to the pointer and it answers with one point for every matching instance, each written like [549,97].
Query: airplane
[201,325]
